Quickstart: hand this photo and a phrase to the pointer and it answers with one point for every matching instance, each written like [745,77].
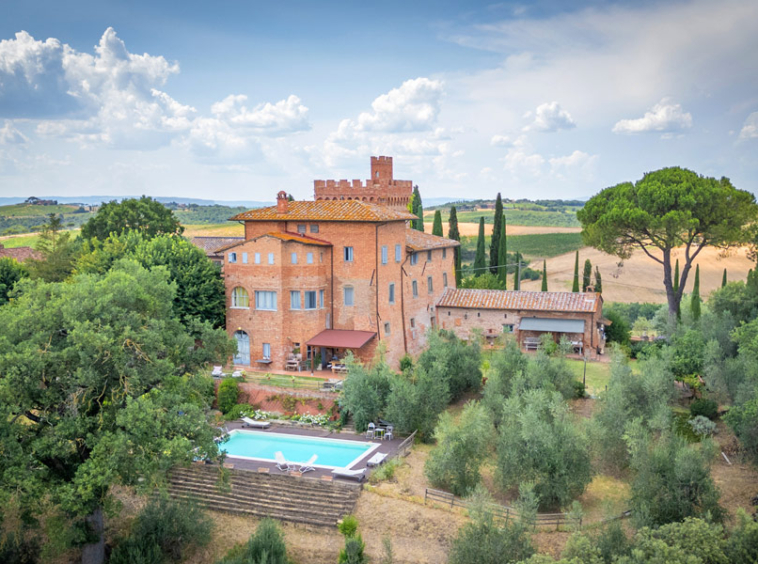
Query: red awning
[341,339]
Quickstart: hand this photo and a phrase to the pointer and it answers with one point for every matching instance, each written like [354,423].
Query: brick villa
[346,272]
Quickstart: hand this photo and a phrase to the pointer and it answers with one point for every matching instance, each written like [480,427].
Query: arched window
[240,298]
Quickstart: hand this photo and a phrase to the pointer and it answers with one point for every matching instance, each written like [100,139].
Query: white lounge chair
[376,460]
[345,473]
[308,466]
[218,371]
[237,374]
[247,422]
[281,462]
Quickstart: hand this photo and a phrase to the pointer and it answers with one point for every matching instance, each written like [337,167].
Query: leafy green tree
[145,215]
[544,276]
[353,551]
[539,443]
[505,367]
[672,480]
[437,225]
[266,546]
[737,299]
[89,394]
[486,281]
[11,271]
[366,390]
[723,279]
[695,299]
[618,331]
[497,228]
[455,235]
[228,394]
[502,256]
[645,396]
[666,209]
[58,252]
[743,419]
[415,402]
[454,361]
[575,285]
[416,207]
[598,281]
[587,275]
[462,446]
[479,260]
[742,545]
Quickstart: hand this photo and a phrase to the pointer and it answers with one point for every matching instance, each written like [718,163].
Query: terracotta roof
[532,301]
[341,339]
[282,235]
[326,210]
[19,253]
[212,244]
[417,240]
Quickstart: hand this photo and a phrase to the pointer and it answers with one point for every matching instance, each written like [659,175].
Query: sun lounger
[345,473]
[247,422]
[308,466]
[218,371]
[281,462]
[376,460]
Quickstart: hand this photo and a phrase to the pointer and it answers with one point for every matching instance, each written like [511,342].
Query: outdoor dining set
[381,432]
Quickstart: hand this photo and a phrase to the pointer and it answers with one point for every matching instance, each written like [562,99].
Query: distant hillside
[97,200]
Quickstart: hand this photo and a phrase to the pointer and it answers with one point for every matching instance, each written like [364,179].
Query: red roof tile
[341,339]
[326,210]
[417,240]
[585,302]
[212,244]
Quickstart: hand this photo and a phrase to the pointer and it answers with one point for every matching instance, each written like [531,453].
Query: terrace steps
[287,498]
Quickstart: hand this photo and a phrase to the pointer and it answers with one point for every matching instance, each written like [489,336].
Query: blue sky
[238,100]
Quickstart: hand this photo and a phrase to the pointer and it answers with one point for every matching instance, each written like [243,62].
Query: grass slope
[543,245]
[28,210]
[565,218]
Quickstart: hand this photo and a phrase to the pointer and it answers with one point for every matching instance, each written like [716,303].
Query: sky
[236,100]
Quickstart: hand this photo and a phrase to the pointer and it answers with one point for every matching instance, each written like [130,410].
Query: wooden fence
[405,447]
[503,512]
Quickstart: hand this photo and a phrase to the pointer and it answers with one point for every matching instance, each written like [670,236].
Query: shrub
[406,363]
[266,546]
[228,393]
[705,407]
[238,411]
[386,471]
[483,542]
[579,391]
[171,527]
[618,331]
[353,551]
[15,549]
[365,391]
[348,526]
[702,426]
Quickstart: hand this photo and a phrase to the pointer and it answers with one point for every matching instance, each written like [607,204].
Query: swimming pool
[332,453]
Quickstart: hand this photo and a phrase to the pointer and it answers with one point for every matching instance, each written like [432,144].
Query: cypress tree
[455,235]
[479,260]
[598,281]
[417,209]
[575,286]
[587,275]
[502,257]
[496,228]
[437,225]
[517,275]
[544,275]
[676,277]
[695,299]
[723,279]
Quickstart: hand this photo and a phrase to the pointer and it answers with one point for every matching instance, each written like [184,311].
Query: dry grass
[472,229]
[229,229]
[640,279]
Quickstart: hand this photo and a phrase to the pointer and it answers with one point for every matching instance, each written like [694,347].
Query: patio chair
[237,374]
[370,431]
[388,433]
[217,371]
[377,459]
[308,466]
[281,462]
[345,473]
[247,422]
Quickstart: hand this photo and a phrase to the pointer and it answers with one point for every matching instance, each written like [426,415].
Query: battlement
[381,188]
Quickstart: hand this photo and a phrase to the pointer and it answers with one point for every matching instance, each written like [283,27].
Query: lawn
[543,245]
[27,210]
[551,218]
[285,380]
[598,374]
[21,241]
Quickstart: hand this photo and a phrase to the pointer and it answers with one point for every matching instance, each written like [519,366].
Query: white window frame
[414,258]
[314,227]
[236,298]
[257,258]
[414,287]
[429,256]
[232,257]
[271,258]
[398,253]
[430,284]
[348,290]
[295,303]
[385,254]
[444,279]
[349,254]
[266,351]
[264,299]
[244,258]
[321,299]
[312,294]
[293,258]
[302,228]
[309,258]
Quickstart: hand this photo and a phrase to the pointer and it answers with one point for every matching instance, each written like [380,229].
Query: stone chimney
[590,289]
[282,202]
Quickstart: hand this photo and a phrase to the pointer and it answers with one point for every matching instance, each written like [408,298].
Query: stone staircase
[287,498]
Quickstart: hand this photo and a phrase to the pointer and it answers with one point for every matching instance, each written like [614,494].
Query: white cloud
[750,129]
[549,117]
[286,116]
[500,141]
[9,135]
[576,165]
[414,106]
[665,117]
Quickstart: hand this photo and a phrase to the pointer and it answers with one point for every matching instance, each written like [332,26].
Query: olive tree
[665,209]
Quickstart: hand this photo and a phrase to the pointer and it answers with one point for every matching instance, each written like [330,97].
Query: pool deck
[388,447]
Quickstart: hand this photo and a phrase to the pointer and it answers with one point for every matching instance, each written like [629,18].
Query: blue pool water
[332,453]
